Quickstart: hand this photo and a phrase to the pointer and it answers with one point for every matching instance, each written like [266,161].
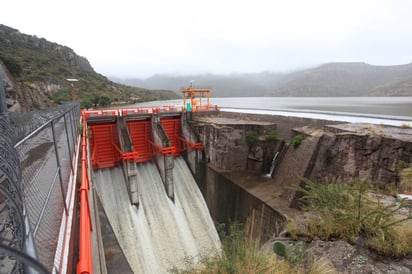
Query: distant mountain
[333,79]
[348,79]
[34,72]
[232,85]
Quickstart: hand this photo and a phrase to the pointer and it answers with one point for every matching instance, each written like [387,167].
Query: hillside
[348,79]
[35,70]
[233,85]
[333,79]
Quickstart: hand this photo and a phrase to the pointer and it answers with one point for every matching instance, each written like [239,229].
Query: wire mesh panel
[12,228]
[46,157]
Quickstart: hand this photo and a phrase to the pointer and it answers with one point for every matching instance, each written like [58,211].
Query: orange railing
[145,110]
[162,150]
[187,145]
[84,266]
[127,156]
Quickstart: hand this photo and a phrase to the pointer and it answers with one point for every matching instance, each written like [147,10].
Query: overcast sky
[139,38]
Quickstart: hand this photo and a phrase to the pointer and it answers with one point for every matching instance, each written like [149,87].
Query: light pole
[72,81]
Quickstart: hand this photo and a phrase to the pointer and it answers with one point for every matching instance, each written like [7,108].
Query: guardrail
[85,264]
[47,158]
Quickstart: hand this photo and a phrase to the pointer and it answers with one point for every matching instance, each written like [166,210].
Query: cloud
[140,38]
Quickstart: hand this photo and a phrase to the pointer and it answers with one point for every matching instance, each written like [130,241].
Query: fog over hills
[238,85]
[332,79]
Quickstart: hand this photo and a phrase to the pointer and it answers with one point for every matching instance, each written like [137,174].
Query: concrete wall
[164,163]
[227,202]
[129,167]
[296,163]
[284,124]
[192,156]
[225,145]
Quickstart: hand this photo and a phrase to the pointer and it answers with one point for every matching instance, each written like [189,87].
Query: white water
[272,166]
[160,233]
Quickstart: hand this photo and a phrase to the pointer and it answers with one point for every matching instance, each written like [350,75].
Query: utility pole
[72,81]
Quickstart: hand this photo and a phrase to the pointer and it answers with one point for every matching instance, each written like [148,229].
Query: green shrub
[104,101]
[62,96]
[279,249]
[252,137]
[12,65]
[271,136]
[86,103]
[350,211]
[297,140]
[293,253]
[239,255]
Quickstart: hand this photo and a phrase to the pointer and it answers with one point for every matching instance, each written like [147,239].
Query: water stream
[272,166]
[160,233]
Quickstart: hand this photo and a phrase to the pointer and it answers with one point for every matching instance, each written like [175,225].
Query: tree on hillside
[104,101]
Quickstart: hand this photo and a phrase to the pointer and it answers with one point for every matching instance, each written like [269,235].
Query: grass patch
[297,140]
[239,255]
[406,179]
[396,243]
[321,266]
[271,136]
[348,212]
[252,137]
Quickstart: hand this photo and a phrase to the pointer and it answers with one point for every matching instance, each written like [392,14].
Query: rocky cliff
[371,152]
[226,146]
[346,152]
[236,190]
[35,70]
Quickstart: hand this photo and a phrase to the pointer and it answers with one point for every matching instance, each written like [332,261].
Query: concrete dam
[153,179]
[159,233]
[159,212]
[148,193]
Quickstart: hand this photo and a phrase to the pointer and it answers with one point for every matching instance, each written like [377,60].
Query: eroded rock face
[350,156]
[225,145]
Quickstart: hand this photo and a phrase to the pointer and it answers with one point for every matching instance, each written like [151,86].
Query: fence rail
[36,161]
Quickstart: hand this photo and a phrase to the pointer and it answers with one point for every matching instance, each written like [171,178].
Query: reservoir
[395,111]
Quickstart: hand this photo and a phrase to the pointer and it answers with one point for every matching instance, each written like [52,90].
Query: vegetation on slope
[35,62]
[352,212]
[239,255]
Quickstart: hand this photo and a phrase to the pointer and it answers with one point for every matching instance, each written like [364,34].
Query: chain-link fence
[36,160]
[46,157]
[12,222]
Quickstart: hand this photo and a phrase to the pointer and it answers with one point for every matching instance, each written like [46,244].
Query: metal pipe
[85,264]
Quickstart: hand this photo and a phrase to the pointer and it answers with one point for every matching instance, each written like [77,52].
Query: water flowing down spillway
[160,233]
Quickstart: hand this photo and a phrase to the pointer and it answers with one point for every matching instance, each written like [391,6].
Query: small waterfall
[272,166]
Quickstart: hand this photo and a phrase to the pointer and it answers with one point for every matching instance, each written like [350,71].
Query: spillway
[160,233]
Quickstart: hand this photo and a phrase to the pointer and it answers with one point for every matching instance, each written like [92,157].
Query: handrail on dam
[127,156]
[84,265]
[187,145]
[121,112]
[163,150]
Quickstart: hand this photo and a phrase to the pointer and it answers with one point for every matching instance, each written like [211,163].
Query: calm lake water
[381,106]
